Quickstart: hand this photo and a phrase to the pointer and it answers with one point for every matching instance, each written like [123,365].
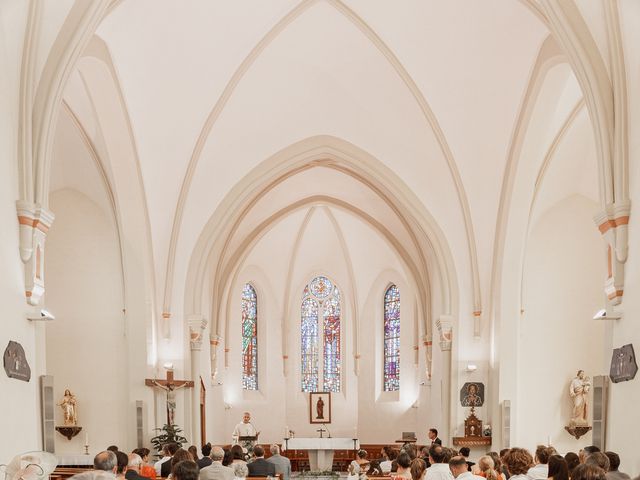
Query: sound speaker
[505,417]
[139,423]
[47,405]
[600,396]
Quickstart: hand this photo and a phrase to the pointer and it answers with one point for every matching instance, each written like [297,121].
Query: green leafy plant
[169,434]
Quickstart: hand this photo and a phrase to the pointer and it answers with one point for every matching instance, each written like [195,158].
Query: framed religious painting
[319,407]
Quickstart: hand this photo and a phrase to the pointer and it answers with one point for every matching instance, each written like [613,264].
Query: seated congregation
[435,462]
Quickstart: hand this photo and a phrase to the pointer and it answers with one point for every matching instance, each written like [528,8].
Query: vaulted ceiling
[433,91]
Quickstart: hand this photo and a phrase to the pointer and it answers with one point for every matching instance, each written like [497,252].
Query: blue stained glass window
[309,347]
[392,339]
[249,338]
[320,301]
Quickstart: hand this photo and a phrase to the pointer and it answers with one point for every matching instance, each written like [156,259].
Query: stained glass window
[309,345]
[392,339]
[249,338]
[320,301]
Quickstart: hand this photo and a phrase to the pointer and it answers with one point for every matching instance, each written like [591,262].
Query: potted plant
[168,434]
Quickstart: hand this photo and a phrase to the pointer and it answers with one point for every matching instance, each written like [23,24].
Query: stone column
[428,345]
[197,324]
[445,330]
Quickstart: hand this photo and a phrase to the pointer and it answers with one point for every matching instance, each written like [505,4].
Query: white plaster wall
[624,397]
[562,288]
[86,345]
[19,401]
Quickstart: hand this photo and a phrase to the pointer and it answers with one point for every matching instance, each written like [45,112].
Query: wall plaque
[623,364]
[15,362]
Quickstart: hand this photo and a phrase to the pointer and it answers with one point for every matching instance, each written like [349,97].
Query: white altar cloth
[321,449]
[71,459]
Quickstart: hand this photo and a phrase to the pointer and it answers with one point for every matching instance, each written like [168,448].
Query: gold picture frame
[319,407]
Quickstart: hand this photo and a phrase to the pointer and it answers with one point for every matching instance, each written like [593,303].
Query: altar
[320,449]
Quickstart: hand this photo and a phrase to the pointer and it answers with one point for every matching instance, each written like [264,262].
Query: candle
[286,431]
[86,439]
[548,439]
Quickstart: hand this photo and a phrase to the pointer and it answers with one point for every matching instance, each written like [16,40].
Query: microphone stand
[328,432]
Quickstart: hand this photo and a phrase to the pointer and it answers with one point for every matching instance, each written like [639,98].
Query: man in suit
[165,467]
[433,436]
[216,471]
[205,461]
[283,464]
[260,467]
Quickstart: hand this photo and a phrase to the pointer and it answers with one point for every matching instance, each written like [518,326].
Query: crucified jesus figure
[170,388]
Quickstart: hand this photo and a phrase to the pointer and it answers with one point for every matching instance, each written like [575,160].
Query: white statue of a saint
[579,392]
[68,405]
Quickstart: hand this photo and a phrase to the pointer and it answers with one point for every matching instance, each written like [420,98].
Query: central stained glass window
[320,336]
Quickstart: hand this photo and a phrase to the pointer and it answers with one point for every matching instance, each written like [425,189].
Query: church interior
[356,218]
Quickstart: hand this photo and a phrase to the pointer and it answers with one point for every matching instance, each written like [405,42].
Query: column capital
[444,325]
[612,222]
[196,324]
[34,222]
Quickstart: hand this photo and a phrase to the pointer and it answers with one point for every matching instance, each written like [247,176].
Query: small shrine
[473,436]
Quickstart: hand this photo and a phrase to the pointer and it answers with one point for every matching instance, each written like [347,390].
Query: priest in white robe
[245,429]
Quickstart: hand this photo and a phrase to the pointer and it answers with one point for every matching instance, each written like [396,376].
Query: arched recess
[97,109]
[214,253]
[98,102]
[518,189]
[245,214]
[548,57]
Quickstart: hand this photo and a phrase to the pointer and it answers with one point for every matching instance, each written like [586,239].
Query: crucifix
[321,430]
[170,386]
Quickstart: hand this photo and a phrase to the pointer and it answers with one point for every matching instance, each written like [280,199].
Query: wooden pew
[61,473]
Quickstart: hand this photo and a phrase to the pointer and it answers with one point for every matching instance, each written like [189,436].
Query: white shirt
[439,471]
[468,476]
[538,472]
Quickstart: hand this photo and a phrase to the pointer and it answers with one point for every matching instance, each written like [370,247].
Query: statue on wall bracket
[579,394]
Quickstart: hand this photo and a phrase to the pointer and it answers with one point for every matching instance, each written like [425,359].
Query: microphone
[328,432]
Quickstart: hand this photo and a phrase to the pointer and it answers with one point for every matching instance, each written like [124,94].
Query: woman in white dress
[358,466]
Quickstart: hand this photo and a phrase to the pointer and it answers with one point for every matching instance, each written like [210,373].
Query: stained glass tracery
[392,339]
[309,347]
[321,302]
[249,338]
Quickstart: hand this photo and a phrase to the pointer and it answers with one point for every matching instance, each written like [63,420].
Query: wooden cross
[170,385]
[321,430]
